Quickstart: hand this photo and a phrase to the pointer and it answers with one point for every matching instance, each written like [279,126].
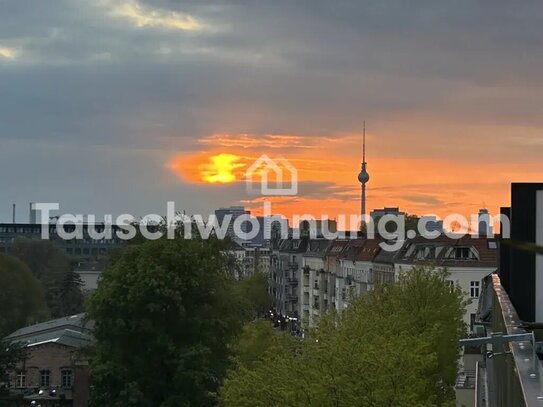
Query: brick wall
[55,358]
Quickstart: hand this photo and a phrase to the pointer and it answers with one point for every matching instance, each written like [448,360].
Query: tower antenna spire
[363,178]
[364,142]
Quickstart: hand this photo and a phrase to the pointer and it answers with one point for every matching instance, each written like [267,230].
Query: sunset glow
[327,170]
[220,168]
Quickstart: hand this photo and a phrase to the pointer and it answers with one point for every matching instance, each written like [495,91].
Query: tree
[254,290]
[54,268]
[394,346]
[254,341]
[10,355]
[22,301]
[164,314]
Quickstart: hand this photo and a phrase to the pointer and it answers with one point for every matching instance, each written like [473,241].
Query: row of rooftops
[442,251]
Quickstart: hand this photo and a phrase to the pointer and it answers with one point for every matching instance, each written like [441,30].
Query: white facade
[355,279]
[469,281]
[313,294]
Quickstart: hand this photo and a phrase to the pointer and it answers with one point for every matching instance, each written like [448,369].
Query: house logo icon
[281,168]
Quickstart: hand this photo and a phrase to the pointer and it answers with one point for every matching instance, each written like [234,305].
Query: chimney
[32,216]
[13,213]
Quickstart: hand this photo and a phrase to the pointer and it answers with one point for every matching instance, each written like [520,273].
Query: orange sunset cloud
[327,173]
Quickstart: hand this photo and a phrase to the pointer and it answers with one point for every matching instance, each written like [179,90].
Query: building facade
[86,249]
[54,367]
[311,276]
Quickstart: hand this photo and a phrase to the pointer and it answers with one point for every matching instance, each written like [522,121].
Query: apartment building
[316,290]
[356,275]
[285,274]
[468,260]
[311,276]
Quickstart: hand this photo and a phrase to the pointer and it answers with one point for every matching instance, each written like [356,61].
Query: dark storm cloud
[316,65]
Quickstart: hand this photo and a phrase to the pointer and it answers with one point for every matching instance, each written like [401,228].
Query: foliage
[22,301]
[395,346]
[54,268]
[254,341]
[10,355]
[165,312]
[254,291]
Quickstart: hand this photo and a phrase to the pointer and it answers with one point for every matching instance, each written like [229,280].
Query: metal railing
[510,373]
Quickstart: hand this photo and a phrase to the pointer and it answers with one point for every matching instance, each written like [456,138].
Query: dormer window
[420,254]
[430,253]
[463,253]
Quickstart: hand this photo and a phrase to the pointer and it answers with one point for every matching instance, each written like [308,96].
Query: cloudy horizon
[118,106]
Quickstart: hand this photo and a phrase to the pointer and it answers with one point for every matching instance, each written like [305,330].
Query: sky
[118,106]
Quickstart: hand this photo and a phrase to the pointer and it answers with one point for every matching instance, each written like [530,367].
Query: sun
[220,168]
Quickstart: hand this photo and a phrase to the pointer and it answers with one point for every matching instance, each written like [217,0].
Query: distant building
[250,258]
[432,223]
[87,249]
[234,212]
[90,273]
[485,223]
[377,214]
[54,369]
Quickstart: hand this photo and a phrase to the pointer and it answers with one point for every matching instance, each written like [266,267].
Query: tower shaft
[363,178]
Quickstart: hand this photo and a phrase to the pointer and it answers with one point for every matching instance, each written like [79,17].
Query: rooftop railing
[510,373]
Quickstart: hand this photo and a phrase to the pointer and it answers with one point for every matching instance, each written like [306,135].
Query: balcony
[292,297]
[293,265]
[292,280]
[510,372]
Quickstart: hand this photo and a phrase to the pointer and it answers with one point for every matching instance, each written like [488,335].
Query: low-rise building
[54,367]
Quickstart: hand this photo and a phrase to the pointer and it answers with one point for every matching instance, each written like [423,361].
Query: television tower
[363,178]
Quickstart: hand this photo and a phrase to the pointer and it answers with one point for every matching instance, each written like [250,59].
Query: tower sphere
[363,177]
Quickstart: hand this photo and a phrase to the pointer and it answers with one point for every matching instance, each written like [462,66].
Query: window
[45,380]
[67,378]
[474,289]
[471,321]
[20,380]
[451,285]
[462,253]
[430,253]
